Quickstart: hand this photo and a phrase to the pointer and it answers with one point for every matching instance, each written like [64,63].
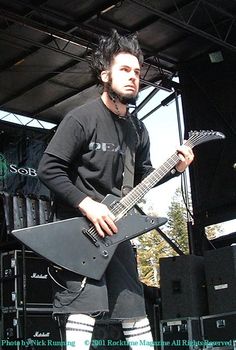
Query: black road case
[181,334]
[220,330]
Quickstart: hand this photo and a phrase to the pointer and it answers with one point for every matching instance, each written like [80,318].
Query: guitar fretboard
[137,193]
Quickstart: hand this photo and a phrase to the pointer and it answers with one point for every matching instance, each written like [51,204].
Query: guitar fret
[140,190]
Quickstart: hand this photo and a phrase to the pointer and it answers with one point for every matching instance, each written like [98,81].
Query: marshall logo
[39,276]
[38,334]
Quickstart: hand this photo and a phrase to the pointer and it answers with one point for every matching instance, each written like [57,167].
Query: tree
[177,222]
[213,231]
[152,246]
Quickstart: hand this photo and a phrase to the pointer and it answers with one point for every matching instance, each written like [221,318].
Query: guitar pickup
[91,238]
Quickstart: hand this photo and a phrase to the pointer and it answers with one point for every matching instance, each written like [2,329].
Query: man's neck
[116,106]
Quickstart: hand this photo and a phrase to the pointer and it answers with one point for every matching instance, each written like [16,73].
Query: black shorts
[119,293]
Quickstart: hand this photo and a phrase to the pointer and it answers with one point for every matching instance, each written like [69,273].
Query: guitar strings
[154,177]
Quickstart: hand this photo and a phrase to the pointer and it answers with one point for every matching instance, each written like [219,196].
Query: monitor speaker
[183,288]
[221,279]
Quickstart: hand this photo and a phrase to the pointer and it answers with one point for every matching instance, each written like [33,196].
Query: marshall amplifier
[221,279]
[181,334]
[220,330]
[38,283]
[40,331]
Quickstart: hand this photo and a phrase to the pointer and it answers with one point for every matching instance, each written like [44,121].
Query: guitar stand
[163,235]
[24,287]
[170,242]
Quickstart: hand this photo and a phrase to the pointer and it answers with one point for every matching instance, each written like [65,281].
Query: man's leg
[138,334]
[79,331]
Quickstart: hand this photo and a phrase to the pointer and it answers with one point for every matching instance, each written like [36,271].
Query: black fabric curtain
[21,149]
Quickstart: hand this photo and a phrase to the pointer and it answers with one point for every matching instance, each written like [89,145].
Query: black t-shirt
[89,149]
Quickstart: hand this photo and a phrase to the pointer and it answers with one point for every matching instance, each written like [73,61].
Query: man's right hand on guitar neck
[100,216]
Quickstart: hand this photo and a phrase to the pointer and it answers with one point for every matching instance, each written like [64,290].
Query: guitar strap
[129,164]
[128,179]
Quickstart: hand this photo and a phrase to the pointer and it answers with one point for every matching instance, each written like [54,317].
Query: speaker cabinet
[183,291]
[37,279]
[221,279]
[41,331]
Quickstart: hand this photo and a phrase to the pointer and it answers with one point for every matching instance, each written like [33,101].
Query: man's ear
[105,76]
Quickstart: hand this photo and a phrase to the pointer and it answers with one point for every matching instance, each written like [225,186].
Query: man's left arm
[186,157]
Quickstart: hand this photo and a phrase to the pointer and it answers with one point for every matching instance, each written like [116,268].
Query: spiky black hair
[109,47]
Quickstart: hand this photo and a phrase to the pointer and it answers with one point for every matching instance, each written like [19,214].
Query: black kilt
[119,293]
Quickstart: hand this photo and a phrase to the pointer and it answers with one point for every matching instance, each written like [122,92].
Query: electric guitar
[75,245]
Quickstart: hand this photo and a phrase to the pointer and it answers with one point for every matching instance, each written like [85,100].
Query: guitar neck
[137,193]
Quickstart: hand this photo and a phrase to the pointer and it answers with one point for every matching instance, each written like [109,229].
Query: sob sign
[22,171]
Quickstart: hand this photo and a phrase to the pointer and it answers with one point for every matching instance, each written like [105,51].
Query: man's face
[124,75]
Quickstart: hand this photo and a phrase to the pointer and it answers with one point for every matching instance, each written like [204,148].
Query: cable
[83,283]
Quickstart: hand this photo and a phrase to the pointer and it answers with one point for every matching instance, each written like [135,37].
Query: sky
[163,130]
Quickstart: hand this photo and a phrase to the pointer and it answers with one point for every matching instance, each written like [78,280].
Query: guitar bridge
[107,241]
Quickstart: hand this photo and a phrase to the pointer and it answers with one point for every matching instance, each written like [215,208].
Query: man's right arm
[53,172]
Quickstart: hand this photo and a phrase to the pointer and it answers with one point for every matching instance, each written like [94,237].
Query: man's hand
[100,216]
[186,157]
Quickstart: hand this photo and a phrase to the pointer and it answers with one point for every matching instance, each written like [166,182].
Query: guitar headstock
[198,137]
[207,133]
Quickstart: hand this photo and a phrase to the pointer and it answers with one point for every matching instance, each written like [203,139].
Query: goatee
[126,100]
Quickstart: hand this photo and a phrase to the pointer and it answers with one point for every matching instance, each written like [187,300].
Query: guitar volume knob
[105,253]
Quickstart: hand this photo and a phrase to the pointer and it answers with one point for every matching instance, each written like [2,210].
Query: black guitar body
[67,244]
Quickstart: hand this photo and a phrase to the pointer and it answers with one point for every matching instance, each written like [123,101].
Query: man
[84,162]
